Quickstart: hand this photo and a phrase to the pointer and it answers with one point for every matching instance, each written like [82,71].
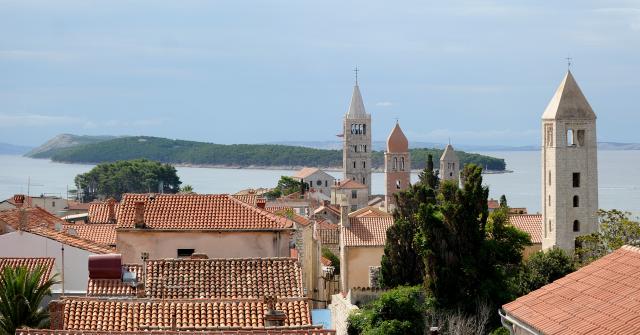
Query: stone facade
[449,165]
[569,168]
[356,159]
[397,166]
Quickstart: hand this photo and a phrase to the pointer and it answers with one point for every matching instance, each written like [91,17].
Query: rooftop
[305,172]
[600,298]
[168,332]
[397,142]
[99,211]
[530,224]
[568,102]
[102,233]
[366,231]
[114,287]
[35,216]
[349,184]
[71,240]
[198,212]
[31,263]
[369,211]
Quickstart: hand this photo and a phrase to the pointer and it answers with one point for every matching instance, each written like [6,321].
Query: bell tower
[449,165]
[356,150]
[569,167]
[397,166]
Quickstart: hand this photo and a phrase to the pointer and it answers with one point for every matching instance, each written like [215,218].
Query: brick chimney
[111,208]
[261,202]
[56,315]
[138,219]
[273,317]
[18,199]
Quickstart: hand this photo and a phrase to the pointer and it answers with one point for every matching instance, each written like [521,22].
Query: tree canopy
[616,230]
[286,185]
[134,176]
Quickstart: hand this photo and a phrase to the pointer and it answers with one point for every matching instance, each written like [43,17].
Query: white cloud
[384,104]
[35,120]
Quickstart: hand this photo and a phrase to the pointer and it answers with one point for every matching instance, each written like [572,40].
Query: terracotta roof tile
[349,184]
[92,314]
[102,233]
[70,240]
[164,332]
[325,261]
[369,211]
[35,217]
[251,199]
[31,263]
[198,212]
[305,172]
[330,208]
[366,231]
[530,224]
[99,211]
[328,232]
[600,298]
[114,287]
[78,206]
[241,278]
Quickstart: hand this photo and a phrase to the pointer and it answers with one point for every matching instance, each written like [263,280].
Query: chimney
[111,208]
[56,315]
[344,210]
[261,202]
[273,317]
[138,219]
[18,199]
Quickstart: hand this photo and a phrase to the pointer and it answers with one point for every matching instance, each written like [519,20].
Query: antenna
[569,59]
[355,70]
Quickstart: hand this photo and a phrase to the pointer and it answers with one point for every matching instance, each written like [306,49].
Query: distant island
[88,149]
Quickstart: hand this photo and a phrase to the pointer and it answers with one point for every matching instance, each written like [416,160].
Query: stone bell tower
[397,166]
[569,167]
[449,165]
[356,150]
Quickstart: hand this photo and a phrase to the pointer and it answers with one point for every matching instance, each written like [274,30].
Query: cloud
[35,120]
[384,104]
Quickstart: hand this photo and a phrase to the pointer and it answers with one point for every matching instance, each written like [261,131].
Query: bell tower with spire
[569,167]
[397,166]
[356,150]
[449,165]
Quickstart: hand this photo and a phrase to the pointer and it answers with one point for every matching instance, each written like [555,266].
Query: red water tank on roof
[105,266]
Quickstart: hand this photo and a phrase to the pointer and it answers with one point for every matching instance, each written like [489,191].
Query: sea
[618,178]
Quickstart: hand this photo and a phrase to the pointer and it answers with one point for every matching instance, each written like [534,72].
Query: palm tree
[186,189]
[21,293]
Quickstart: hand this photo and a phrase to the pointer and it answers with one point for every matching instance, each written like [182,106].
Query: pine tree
[503,201]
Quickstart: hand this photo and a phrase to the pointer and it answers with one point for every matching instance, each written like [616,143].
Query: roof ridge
[223,259]
[45,232]
[181,300]
[287,224]
[631,248]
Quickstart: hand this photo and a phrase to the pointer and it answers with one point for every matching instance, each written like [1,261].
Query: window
[576,225]
[576,179]
[549,135]
[354,164]
[397,184]
[450,174]
[354,208]
[402,163]
[570,141]
[549,177]
[364,165]
[364,181]
[395,163]
[549,199]
[354,194]
[550,226]
[326,183]
[365,148]
[580,137]
[364,129]
[355,148]
[319,182]
[185,252]
[576,201]
[53,204]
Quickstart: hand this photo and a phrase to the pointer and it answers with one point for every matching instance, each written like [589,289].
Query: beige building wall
[338,195]
[164,244]
[359,259]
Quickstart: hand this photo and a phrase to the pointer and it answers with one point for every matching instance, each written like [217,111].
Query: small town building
[316,180]
[352,193]
[600,298]
[55,205]
[532,225]
[328,212]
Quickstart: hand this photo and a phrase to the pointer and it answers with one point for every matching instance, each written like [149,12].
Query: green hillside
[236,155]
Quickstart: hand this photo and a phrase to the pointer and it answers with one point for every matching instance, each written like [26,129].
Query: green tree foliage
[397,312]
[20,297]
[467,261]
[190,152]
[503,201]
[542,268]
[286,185]
[335,260]
[616,230]
[134,176]
[402,263]
[186,189]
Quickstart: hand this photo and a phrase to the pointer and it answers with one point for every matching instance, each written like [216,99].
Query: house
[316,180]
[532,225]
[34,233]
[600,298]
[353,193]
[362,240]
[328,212]
[52,204]
[76,207]
[247,294]
[179,225]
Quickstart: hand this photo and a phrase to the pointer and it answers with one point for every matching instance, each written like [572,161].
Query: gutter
[509,322]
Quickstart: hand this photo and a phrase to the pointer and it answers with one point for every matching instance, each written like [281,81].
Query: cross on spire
[356,72]
[569,59]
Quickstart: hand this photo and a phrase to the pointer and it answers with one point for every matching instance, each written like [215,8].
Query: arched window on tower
[397,184]
[401,163]
[395,163]
[364,129]
[576,201]
[549,177]
[576,225]
[364,181]
[570,140]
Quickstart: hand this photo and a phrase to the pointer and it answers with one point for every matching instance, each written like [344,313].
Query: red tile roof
[325,261]
[493,204]
[99,211]
[530,224]
[35,216]
[165,332]
[600,298]
[251,199]
[31,263]
[97,232]
[71,240]
[305,172]
[198,212]
[147,314]
[366,231]
[75,205]
[328,232]
[241,278]
[369,211]
[114,287]
[349,184]
[330,208]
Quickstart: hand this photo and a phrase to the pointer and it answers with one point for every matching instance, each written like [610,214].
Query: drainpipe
[62,250]
[509,322]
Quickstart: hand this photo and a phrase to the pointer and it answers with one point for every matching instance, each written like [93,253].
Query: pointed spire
[356,108]
[397,142]
[449,154]
[568,102]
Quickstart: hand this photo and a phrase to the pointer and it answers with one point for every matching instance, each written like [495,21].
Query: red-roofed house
[600,298]
[217,225]
[532,225]
[316,180]
[351,193]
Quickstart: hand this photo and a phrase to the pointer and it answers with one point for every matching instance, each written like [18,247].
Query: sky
[477,72]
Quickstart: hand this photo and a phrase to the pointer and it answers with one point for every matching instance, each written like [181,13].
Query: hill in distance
[234,155]
[62,141]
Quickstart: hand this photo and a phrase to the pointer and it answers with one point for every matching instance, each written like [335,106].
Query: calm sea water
[619,178]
